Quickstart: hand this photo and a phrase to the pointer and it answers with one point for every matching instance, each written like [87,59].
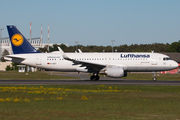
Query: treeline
[157,47]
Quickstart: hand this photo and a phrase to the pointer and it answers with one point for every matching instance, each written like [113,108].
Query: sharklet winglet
[63,54]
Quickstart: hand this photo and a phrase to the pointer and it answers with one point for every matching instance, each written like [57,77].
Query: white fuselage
[130,62]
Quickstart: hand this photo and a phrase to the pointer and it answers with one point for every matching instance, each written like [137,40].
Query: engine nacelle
[116,72]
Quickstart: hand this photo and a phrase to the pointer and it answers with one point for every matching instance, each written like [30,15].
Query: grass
[14,75]
[149,76]
[85,102]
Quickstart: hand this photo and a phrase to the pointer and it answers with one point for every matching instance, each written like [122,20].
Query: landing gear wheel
[154,79]
[97,78]
[94,78]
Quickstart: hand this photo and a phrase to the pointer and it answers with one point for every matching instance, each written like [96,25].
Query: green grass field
[87,102]
[40,75]
[149,76]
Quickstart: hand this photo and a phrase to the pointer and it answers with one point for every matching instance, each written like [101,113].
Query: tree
[43,50]
[157,47]
[5,52]
[174,47]
[55,47]
[13,67]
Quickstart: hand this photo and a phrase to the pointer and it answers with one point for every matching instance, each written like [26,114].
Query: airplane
[112,64]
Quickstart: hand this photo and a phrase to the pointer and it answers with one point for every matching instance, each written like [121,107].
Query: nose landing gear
[154,77]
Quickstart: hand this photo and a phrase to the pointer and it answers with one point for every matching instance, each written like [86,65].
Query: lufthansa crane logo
[17,39]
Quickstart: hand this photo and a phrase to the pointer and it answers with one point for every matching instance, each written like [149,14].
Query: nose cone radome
[174,64]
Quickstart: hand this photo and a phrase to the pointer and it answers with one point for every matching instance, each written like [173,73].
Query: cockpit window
[167,58]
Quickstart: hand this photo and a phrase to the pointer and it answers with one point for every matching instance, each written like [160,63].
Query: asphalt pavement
[85,80]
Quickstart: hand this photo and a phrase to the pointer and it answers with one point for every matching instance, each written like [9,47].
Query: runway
[84,80]
[87,82]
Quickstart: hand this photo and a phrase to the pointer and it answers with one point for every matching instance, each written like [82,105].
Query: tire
[93,78]
[97,78]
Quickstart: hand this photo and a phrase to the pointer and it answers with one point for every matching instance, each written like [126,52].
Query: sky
[94,22]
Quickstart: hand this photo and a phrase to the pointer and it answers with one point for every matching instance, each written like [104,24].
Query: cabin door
[154,59]
[38,60]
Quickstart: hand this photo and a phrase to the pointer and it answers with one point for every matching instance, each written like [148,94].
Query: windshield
[166,58]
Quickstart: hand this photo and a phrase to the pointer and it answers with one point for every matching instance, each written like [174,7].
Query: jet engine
[116,72]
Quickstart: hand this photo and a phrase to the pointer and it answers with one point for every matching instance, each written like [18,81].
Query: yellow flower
[1,100]
[59,98]
[110,88]
[26,100]
[30,92]
[52,98]
[84,98]
[37,99]
[17,100]
[53,93]
[7,99]
[38,92]
[101,85]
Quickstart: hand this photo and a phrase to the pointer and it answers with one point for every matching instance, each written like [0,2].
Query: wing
[90,66]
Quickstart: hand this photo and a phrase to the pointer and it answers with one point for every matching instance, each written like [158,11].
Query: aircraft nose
[174,64]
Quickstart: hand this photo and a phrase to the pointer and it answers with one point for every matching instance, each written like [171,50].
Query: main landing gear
[154,77]
[94,77]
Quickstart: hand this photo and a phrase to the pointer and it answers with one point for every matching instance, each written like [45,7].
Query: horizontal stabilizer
[15,56]
[8,59]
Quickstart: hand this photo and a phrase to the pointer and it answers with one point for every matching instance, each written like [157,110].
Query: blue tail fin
[19,43]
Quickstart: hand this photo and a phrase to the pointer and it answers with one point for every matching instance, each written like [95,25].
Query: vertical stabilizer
[19,43]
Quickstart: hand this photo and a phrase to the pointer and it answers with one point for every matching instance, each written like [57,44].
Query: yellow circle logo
[17,39]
